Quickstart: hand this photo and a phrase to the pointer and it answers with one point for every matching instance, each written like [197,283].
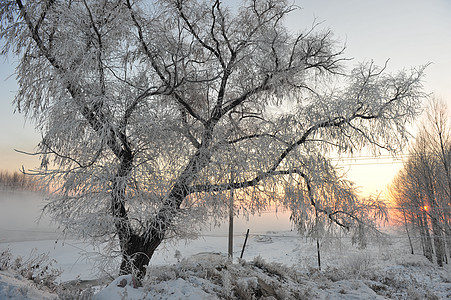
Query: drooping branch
[99,51]
[95,117]
[255,136]
[330,215]
[50,150]
[117,141]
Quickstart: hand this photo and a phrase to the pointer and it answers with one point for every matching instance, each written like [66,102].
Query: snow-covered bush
[36,267]
[414,293]
[216,275]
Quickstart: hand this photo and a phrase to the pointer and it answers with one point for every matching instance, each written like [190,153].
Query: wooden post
[244,246]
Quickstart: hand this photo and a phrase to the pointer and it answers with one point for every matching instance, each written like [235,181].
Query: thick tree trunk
[137,250]
[136,254]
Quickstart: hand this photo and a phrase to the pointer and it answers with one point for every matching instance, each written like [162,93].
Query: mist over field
[21,218]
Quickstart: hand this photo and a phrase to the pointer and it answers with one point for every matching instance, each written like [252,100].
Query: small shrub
[359,264]
[334,274]
[227,284]
[5,259]
[37,267]
[274,269]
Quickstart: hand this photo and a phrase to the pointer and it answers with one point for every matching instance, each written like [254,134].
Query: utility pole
[317,239]
[231,219]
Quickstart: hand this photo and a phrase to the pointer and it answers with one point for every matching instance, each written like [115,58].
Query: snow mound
[263,239]
[124,287]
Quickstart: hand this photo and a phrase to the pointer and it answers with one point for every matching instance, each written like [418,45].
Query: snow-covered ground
[276,263]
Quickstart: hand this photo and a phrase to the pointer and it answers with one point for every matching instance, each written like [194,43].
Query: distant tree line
[18,181]
[422,189]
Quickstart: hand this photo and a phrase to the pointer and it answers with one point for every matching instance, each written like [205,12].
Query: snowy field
[277,264]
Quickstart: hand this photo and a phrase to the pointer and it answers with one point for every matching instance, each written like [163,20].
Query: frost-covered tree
[147,107]
[422,187]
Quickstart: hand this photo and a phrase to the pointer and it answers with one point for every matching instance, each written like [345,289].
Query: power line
[371,163]
[364,157]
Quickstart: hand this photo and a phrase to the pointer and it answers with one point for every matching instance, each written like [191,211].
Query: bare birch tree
[146,107]
[436,129]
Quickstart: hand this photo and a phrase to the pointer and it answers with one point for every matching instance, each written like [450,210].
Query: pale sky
[408,32]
